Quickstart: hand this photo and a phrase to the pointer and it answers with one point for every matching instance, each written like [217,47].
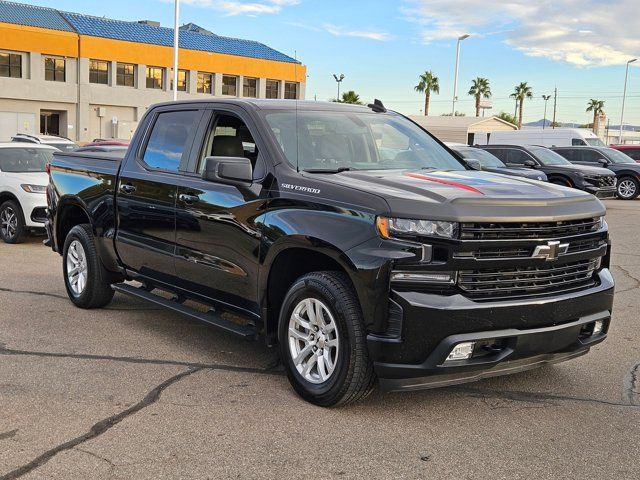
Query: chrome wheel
[76,268]
[313,340]
[8,223]
[627,188]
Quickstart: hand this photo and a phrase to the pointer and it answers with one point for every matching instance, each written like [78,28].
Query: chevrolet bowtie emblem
[551,251]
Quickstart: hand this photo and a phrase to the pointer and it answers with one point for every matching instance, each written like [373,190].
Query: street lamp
[546,99]
[624,97]
[339,79]
[455,78]
[176,33]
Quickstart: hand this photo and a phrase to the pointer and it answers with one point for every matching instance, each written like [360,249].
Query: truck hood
[470,195]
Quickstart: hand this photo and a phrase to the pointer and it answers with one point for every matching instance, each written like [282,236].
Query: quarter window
[168,140]
[99,72]
[126,74]
[229,85]
[54,69]
[11,65]
[155,77]
[290,90]
[250,87]
[205,82]
[273,88]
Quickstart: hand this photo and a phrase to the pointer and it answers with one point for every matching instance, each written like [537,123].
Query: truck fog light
[598,326]
[461,351]
[423,277]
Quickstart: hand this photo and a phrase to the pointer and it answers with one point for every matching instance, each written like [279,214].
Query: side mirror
[604,162]
[530,164]
[473,163]
[228,170]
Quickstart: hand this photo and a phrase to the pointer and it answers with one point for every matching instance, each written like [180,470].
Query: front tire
[628,188]
[12,224]
[323,340]
[86,279]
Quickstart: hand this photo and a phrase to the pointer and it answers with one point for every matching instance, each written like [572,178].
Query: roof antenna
[377,106]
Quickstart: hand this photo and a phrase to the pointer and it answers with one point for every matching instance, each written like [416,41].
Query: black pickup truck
[346,235]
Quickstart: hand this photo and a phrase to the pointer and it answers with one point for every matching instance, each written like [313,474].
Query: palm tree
[480,88]
[597,107]
[521,92]
[428,83]
[351,97]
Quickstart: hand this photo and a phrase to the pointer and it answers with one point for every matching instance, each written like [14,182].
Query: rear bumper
[529,333]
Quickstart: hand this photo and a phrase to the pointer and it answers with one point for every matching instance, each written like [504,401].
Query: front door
[218,226]
[147,192]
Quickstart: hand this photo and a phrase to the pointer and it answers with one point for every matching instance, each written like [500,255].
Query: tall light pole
[546,99]
[339,79]
[624,97]
[455,78]
[176,35]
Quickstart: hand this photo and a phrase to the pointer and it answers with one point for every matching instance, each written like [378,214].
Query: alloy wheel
[76,268]
[8,223]
[313,340]
[627,188]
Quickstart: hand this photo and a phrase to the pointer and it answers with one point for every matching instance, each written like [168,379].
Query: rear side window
[168,140]
[632,152]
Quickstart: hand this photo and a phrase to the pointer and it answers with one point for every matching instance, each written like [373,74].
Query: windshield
[485,158]
[356,141]
[594,142]
[24,160]
[548,157]
[618,157]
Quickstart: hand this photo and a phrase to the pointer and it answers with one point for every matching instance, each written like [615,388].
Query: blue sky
[382,46]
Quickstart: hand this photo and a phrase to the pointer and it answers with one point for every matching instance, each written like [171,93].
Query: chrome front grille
[528,230]
[529,280]
[506,252]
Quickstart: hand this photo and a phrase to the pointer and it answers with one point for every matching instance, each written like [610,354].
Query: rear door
[218,226]
[147,192]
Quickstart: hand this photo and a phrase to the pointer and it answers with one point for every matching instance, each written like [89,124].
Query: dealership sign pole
[176,35]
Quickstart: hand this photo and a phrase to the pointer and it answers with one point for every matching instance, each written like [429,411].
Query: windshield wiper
[328,170]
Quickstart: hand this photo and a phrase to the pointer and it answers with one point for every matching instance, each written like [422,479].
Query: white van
[548,137]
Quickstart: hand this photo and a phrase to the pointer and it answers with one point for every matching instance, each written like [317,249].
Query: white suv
[23,184]
[61,143]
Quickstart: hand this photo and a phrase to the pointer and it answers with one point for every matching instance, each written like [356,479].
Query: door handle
[188,199]
[127,188]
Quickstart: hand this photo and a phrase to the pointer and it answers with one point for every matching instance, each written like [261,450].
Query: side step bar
[210,318]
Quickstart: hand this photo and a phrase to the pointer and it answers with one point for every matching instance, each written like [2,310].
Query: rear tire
[628,188]
[333,366]
[12,224]
[87,281]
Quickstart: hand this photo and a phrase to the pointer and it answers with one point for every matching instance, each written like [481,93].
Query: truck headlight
[33,188]
[390,227]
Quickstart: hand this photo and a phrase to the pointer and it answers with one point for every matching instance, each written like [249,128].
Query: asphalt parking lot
[133,392]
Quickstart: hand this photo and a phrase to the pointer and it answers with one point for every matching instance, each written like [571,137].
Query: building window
[99,72]
[273,88]
[250,87]
[126,75]
[155,77]
[182,80]
[54,69]
[11,65]
[290,90]
[229,85]
[205,82]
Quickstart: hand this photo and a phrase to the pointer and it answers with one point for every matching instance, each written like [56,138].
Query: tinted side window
[633,153]
[571,155]
[517,156]
[576,142]
[168,140]
[498,152]
[591,156]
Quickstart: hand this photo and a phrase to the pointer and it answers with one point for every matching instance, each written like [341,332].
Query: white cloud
[240,7]
[580,32]
[368,34]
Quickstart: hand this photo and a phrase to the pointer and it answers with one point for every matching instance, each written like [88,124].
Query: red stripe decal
[444,182]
